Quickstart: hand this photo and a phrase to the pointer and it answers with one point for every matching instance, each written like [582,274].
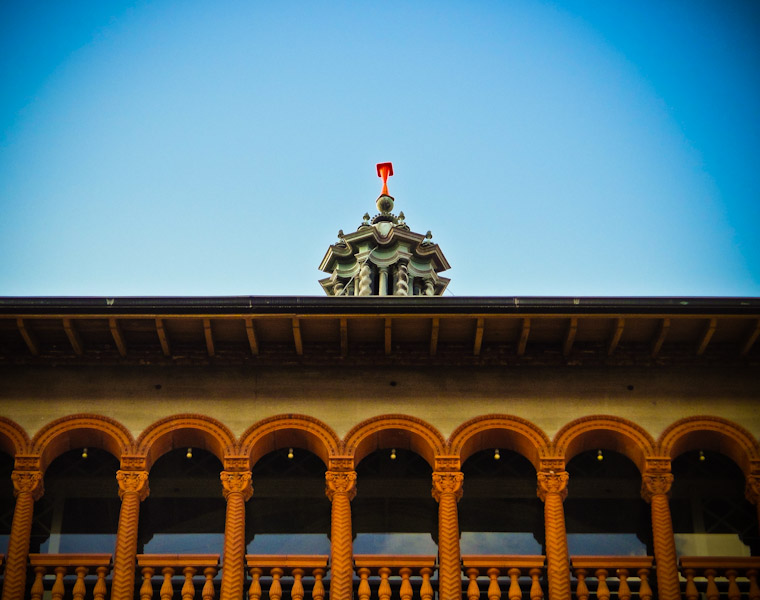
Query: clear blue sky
[574,147]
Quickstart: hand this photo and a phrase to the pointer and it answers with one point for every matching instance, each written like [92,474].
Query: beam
[118,337]
[297,336]
[616,335]
[479,328]
[343,337]
[751,338]
[707,335]
[572,329]
[435,327]
[209,335]
[73,335]
[250,331]
[524,333]
[388,332]
[29,338]
[163,337]
[662,333]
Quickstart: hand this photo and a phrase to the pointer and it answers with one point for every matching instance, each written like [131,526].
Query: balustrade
[514,567]
[178,571]
[715,577]
[74,574]
[621,577]
[269,569]
[406,574]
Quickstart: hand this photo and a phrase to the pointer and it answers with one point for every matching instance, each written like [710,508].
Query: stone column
[752,492]
[133,489]
[237,491]
[383,284]
[28,488]
[655,486]
[341,489]
[552,489]
[402,279]
[447,490]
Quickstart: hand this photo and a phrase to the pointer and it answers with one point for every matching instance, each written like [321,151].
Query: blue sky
[215,148]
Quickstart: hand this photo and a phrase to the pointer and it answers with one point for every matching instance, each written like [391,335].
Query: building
[574,446]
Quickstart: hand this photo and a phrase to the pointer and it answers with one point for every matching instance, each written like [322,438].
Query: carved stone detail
[341,463]
[445,482]
[29,482]
[752,490]
[447,463]
[133,481]
[653,484]
[236,482]
[340,482]
[552,482]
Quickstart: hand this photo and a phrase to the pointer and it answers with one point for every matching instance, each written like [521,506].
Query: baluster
[275,590]
[754,589]
[536,593]
[254,592]
[38,587]
[473,591]
[645,591]
[602,590]
[208,592]
[691,588]
[581,590]
[296,592]
[79,590]
[426,590]
[364,591]
[167,591]
[712,589]
[733,587]
[188,589]
[494,592]
[384,591]
[406,587]
[58,589]
[100,590]
[514,586]
[318,591]
[146,589]
[624,590]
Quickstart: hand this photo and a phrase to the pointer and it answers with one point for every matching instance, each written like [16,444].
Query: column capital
[236,482]
[752,489]
[654,483]
[552,482]
[29,482]
[340,482]
[133,481]
[447,482]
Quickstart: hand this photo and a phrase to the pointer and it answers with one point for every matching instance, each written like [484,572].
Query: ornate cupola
[383,257]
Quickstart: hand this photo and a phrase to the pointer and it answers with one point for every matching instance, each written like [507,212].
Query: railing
[63,566]
[710,568]
[512,566]
[379,568]
[620,568]
[173,566]
[292,565]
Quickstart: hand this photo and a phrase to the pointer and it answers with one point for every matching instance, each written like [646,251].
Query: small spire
[384,170]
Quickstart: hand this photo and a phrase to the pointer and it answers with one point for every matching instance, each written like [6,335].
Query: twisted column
[133,489]
[552,489]
[402,280]
[237,491]
[341,489]
[28,488]
[655,486]
[752,492]
[447,490]
[365,280]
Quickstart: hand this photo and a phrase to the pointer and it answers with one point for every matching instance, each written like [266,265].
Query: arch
[394,431]
[283,431]
[499,431]
[606,432]
[13,439]
[710,433]
[81,430]
[185,430]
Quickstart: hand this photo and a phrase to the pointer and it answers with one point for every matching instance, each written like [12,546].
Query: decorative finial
[428,237]
[401,217]
[384,170]
[365,221]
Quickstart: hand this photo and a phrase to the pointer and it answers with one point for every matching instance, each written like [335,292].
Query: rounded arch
[606,432]
[499,431]
[394,431]
[283,431]
[710,433]
[81,430]
[13,439]
[186,430]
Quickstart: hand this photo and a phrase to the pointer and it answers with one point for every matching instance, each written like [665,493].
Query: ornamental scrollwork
[752,490]
[654,484]
[552,482]
[133,482]
[28,482]
[340,482]
[446,482]
[236,482]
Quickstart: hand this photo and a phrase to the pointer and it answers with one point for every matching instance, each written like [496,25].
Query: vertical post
[655,485]
[447,490]
[341,489]
[383,285]
[402,279]
[133,489]
[237,491]
[28,488]
[752,492]
[552,490]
